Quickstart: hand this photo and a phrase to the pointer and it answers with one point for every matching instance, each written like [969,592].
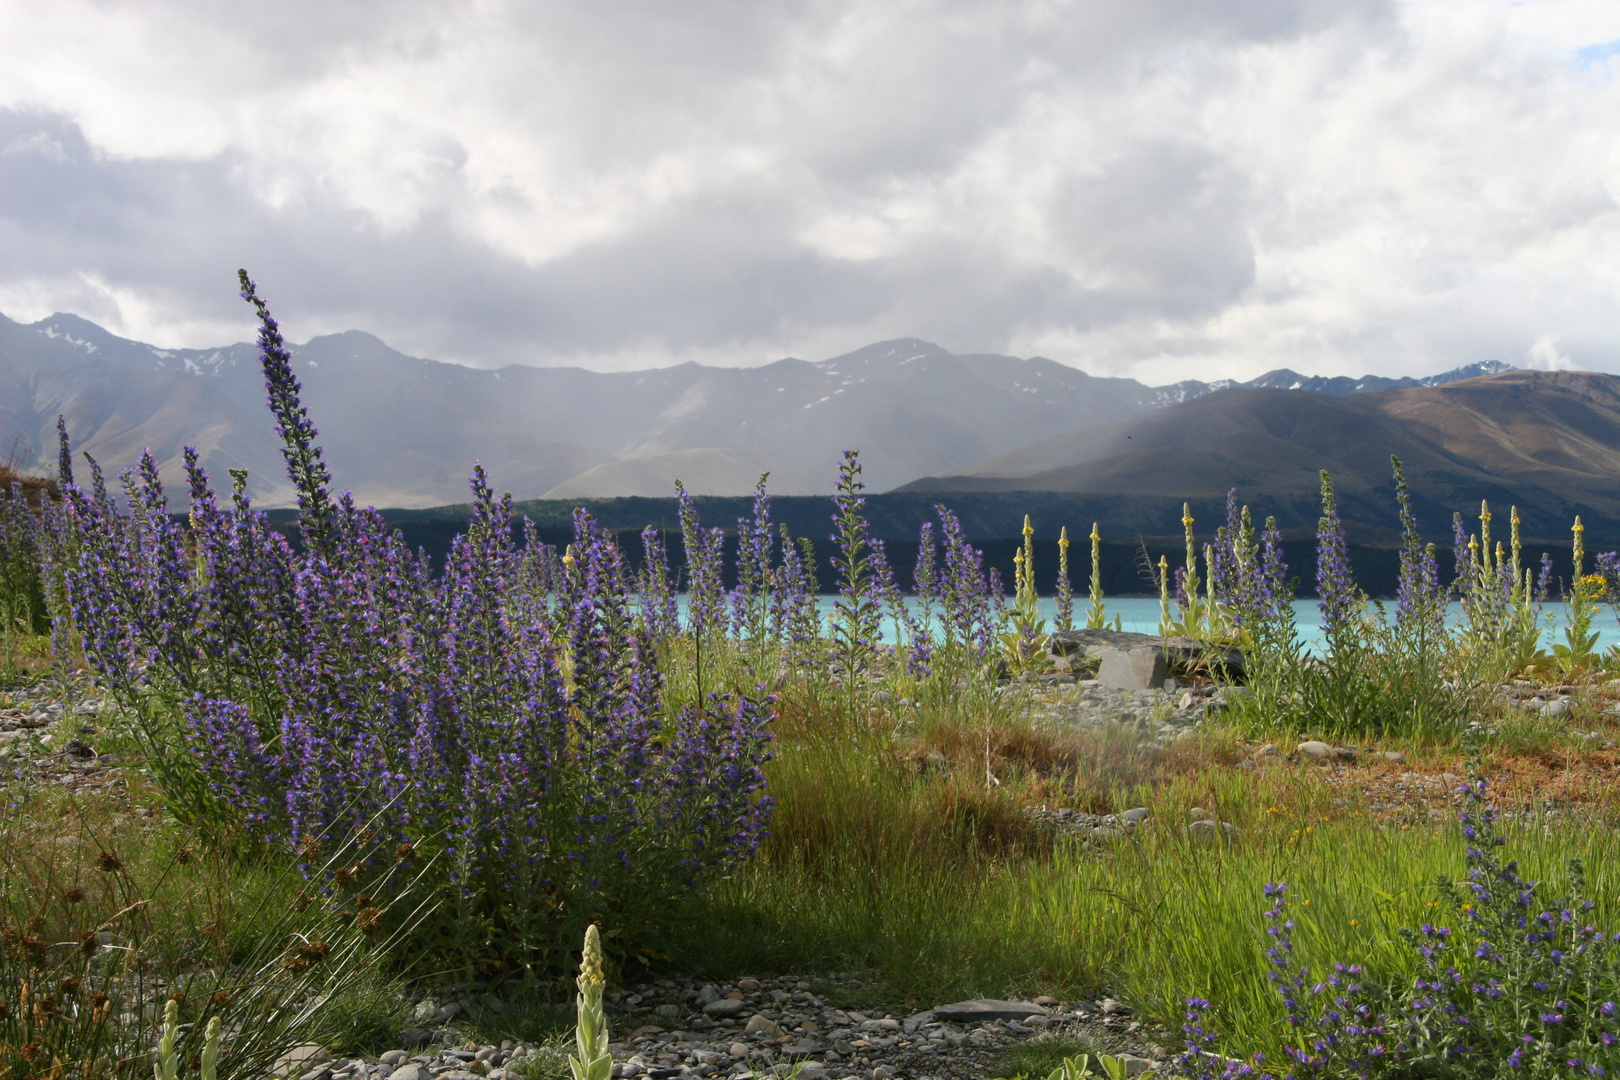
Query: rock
[1315,750]
[1135,816]
[300,1059]
[1139,668]
[917,1020]
[1181,652]
[1393,755]
[759,1024]
[1110,1007]
[738,1050]
[411,1070]
[415,1038]
[1198,813]
[882,1072]
[1268,750]
[748,986]
[724,1008]
[1212,831]
[669,1012]
[1136,1066]
[980,1010]
[393,1058]
[1555,710]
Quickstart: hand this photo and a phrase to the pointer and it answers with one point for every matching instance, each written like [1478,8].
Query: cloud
[1159,189]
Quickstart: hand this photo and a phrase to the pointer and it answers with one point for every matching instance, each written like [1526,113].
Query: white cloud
[1158,189]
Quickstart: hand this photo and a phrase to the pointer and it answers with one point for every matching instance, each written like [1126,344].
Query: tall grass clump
[1402,676]
[104,943]
[505,723]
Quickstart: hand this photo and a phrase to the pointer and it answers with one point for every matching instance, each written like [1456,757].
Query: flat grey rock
[1315,749]
[1184,652]
[1139,668]
[724,1007]
[982,1009]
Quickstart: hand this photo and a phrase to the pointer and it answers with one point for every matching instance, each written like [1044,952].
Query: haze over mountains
[404,431]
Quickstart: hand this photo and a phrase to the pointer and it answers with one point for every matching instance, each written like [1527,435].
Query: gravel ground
[761,1027]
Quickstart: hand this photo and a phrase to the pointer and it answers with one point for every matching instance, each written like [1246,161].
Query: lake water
[1140,614]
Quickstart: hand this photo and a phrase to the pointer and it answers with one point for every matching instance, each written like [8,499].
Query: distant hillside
[1546,441]
[403,431]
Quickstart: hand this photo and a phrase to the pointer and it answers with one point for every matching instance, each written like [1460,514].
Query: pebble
[791,1025]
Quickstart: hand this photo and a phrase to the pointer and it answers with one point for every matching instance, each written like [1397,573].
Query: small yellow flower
[1273,810]
[1355,922]
[1305,903]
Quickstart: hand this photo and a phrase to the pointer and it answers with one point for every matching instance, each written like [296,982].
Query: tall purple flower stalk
[795,620]
[305,467]
[1336,588]
[969,599]
[751,602]
[705,589]
[507,717]
[659,613]
[1419,603]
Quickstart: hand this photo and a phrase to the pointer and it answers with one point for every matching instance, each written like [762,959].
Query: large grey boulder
[1140,667]
[1181,652]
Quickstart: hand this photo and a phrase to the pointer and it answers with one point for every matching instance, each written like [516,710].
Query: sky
[1159,189]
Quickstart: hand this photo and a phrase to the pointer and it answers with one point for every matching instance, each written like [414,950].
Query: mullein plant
[1096,613]
[1576,653]
[1501,613]
[1065,589]
[530,756]
[1025,635]
[594,1061]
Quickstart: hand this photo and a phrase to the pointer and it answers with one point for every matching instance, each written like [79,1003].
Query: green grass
[934,881]
[1039,1057]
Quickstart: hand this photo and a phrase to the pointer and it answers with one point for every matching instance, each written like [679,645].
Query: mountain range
[1547,442]
[404,431]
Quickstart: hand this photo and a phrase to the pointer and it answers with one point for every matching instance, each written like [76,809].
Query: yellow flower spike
[1063,538]
[1029,530]
[594,1062]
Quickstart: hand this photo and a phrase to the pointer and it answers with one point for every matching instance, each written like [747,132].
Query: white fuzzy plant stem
[594,1061]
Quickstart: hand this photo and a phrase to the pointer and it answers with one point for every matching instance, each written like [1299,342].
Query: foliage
[1511,991]
[89,970]
[519,742]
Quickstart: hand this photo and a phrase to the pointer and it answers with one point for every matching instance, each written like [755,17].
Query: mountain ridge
[404,431]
